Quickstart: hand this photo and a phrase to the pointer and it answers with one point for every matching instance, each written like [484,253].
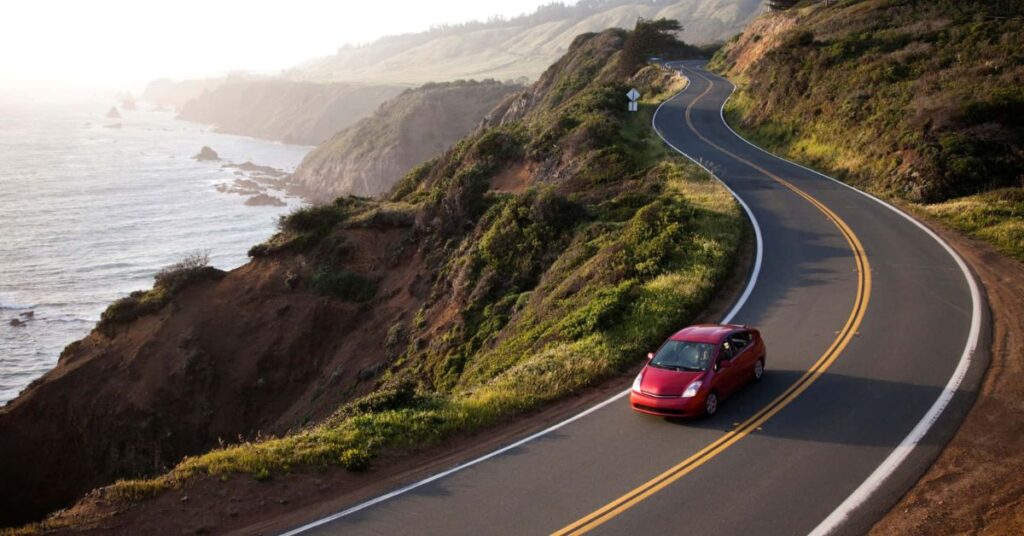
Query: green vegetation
[168,282]
[342,284]
[920,101]
[996,217]
[536,294]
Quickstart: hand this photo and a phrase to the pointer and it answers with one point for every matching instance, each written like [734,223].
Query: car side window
[727,351]
[740,340]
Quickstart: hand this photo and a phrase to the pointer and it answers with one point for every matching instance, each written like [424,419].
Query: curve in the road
[623,503]
[877,416]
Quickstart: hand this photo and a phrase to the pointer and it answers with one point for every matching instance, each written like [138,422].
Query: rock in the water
[264,200]
[28,314]
[113,125]
[113,113]
[17,322]
[206,153]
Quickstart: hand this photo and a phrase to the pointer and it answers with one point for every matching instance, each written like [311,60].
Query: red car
[696,369]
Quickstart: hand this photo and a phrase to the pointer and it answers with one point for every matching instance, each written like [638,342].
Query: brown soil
[242,505]
[512,179]
[976,485]
[249,353]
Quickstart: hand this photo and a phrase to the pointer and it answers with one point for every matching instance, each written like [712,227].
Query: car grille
[660,410]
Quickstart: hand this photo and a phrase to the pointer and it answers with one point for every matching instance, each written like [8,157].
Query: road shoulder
[974,484]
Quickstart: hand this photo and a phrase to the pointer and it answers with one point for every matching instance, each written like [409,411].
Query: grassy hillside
[607,245]
[544,253]
[519,47]
[922,101]
[302,113]
[368,158]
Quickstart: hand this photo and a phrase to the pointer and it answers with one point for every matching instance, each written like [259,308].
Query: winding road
[876,346]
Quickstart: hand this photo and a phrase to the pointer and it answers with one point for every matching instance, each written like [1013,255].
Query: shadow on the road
[825,411]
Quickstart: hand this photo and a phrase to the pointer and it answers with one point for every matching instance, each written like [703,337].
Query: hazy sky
[114,43]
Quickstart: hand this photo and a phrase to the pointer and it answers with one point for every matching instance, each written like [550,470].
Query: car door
[746,354]
[726,372]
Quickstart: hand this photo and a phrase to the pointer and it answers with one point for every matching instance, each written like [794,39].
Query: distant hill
[522,46]
[368,158]
[303,113]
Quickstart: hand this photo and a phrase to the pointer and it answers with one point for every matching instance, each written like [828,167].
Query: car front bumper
[667,406]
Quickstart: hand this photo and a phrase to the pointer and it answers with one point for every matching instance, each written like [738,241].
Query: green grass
[565,289]
[996,217]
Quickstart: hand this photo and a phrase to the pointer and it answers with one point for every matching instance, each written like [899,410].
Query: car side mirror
[650,356]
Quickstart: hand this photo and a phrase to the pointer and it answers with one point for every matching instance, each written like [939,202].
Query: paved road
[869,322]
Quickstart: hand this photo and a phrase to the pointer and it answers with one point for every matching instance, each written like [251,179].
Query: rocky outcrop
[368,158]
[206,154]
[292,112]
[112,113]
[264,200]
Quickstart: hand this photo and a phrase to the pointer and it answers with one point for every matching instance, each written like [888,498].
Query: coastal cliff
[368,158]
[302,113]
[490,281]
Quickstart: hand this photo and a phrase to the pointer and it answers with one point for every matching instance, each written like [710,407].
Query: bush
[168,282]
[343,285]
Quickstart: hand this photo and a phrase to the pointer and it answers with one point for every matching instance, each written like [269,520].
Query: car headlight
[639,379]
[691,390]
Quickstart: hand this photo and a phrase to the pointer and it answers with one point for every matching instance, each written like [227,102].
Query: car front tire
[710,404]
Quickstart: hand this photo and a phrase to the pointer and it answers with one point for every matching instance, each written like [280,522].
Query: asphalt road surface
[871,325]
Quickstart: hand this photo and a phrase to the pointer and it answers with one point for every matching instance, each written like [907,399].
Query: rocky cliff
[368,158]
[302,113]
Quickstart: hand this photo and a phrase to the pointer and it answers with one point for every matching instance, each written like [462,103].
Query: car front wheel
[711,404]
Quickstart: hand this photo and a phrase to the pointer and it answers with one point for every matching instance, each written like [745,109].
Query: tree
[647,38]
[780,5]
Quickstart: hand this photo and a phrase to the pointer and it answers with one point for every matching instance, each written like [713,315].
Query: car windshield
[682,355]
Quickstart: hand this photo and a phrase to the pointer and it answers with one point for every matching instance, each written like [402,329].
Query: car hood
[665,382]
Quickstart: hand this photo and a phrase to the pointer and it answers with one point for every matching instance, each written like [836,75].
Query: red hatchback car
[697,368]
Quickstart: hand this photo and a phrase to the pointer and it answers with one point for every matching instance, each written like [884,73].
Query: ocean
[89,213]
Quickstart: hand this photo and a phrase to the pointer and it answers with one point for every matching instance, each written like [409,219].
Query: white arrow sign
[633,94]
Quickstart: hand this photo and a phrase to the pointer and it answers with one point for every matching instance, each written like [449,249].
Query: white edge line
[728,318]
[903,450]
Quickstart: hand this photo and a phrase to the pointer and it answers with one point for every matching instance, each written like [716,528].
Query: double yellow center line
[819,367]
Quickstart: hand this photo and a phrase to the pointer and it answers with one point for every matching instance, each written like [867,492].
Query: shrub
[168,282]
[342,284]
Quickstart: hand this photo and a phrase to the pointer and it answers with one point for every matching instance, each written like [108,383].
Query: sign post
[633,96]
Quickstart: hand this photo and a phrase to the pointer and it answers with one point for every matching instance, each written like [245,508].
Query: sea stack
[113,113]
[206,153]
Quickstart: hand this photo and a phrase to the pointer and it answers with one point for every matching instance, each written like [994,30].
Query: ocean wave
[11,306]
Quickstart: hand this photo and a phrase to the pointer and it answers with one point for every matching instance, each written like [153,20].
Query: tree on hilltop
[780,5]
[647,38]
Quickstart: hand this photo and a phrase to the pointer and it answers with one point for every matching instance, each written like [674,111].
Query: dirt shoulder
[975,486]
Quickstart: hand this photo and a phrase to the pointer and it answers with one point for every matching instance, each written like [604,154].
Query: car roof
[708,333]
